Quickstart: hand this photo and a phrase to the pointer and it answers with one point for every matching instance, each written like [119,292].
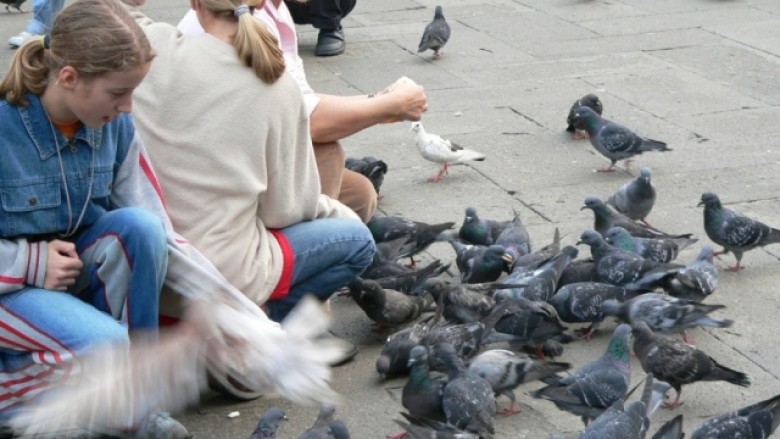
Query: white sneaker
[20,39]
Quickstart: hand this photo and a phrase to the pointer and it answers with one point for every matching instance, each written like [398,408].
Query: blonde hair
[94,37]
[256,47]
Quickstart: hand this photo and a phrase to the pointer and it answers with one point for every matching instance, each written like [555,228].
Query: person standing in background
[325,15]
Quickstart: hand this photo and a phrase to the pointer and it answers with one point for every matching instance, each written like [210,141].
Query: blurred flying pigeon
[733,230]
[636,198]
[505,370]
[697,280]
[476,230]
[386,307]
[624,268]
[394,358]
[594,387]
[467,399]
[581,303]
[606,217]
[671,429]
[653,249]
[13,3]
[268,424]
[612,140]
[439,150]
[371,167]
[664,313]
[678,363]
[589,100]
[422,393]
[756,421]
[542,283]
[436,34]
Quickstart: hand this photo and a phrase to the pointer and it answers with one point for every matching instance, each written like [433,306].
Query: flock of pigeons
[506,291]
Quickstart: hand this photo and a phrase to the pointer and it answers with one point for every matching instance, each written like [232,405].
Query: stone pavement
[703,75]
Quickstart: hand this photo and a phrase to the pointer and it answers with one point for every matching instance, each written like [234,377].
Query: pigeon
[388,308]
[436,149]
[462,303]
[338,429]
[532,323]
[653,249]
[579,270]
[589,100]
[671,429]
[672,360]
[506,370]
[476,230]
[581,303]
[13,4]
[467,399]
[422,393]
[419,235]
[515,238]
[421,428]
[321,429]
[384,262]
[756,421]
[542,283]
[533,260]
[394,358]
[485,266]
[436,34]
[733,230]
[664,313]
[594,387]
[624,268]
[605,217]
[613,140]
[413,282]
[697,280]
[268,424]
[370,167]
[636,198]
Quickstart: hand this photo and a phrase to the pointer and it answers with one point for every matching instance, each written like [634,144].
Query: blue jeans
[44,12]
[43,332]
[329,253]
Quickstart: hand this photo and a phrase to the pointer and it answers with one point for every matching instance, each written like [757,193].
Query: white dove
[439,150]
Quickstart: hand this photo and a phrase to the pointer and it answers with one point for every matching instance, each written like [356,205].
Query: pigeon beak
[701,203]
[583,207]
[579,242]
[508,258]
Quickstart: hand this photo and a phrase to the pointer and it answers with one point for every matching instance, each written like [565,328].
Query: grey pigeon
[678,363]
[756,421]
[636,198]
[338,429]
[268,424]
[388,308]
[476,230]
[581,303]
[589,100]
[419,235]
[533,260]
[605,217]
[733,230]
[542,283]
[436,34]
[422,393]
[321,428]
[697,280]
[653,249]
[624,268]
[506,370]
[413,282]
[467,399]
[515,238]
[533,324]
[463,303]
[13,3]
[664,313]
[394,358]
[612,140]
[671,429]
[579,270]
[370,167]
[594,387]
[422,428]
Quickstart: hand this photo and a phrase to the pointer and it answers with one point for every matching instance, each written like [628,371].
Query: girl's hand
[63,265]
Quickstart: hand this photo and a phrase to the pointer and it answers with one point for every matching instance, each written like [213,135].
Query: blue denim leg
[44,12]
[41,332]
[329,253]
[125,255]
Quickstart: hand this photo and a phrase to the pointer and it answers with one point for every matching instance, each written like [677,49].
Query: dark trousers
[322,14]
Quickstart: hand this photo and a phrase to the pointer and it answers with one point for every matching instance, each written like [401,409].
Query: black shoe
[349,349]
[330,42]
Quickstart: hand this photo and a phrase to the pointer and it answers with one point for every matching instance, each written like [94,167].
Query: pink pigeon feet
[511,410]
[441,173]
